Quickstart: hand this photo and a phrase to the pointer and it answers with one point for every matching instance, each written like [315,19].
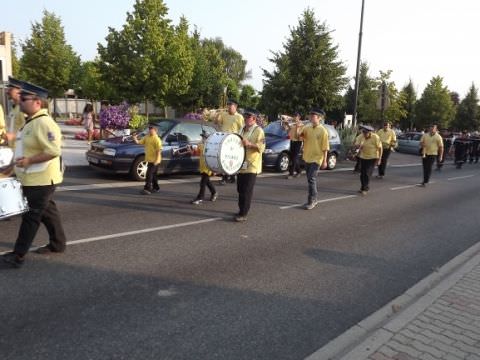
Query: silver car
[409,143]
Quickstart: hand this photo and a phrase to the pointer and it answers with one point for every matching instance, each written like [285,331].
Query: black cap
[32,89]
[317,111]
[232,101]
[250,111]
[12,82]
[297,113]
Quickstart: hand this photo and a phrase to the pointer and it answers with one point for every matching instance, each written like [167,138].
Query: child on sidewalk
[205,174]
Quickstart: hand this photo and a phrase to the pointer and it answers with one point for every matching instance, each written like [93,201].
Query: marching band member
[39,169]
[205,174]
[153,157]
[315,151]
[432,147]
[231,122]
[16,118]
[254,143]
[370,154]
[389,141]
[295,145]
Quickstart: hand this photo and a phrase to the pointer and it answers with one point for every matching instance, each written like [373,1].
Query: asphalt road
[153,277]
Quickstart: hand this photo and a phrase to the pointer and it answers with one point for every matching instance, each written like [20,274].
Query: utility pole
[357,74]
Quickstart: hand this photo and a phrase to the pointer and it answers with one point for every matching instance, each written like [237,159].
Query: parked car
[409,143]
[123,155]
[277,147]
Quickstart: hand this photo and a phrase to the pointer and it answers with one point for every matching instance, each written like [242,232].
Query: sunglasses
[25,98]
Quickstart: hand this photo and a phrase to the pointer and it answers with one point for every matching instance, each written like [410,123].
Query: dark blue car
[277,147]
[122,155]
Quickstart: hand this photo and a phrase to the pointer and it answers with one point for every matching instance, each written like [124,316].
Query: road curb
[364,338]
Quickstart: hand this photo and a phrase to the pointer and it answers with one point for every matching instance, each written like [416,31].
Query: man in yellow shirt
[254,143]
[295,145]
[370,154]
[153,157]
[389,141]
[38,167]
[230,122]
[16,118]
[315,152]
[432,147]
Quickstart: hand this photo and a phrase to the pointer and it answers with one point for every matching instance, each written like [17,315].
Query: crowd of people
[36,140]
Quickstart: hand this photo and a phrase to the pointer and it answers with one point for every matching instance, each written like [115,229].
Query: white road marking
[404,187]
[405,165]
[134,232]
[460,177]
[319,202]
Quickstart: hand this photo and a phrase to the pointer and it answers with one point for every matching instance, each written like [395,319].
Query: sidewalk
[437,319]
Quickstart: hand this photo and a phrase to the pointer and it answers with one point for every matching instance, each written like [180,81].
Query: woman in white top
[87,121]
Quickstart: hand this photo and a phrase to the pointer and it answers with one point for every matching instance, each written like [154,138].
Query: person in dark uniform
[461,149]
[253,139]
[39,169]
[474,148]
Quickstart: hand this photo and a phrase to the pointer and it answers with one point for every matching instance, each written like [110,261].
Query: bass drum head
[224,153]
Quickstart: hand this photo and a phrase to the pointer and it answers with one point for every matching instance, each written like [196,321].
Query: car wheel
[331,161]
[139,169]
[283,162]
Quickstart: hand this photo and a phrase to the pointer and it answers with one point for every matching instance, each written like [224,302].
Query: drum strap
[250,131]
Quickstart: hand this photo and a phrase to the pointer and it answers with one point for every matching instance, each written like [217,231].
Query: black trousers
[383,163]
[151,180]
[42,210]
[245,184]
[205,182]
[295,147]
[366,171]
[427,163]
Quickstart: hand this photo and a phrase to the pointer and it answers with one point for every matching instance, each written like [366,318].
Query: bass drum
[224,153]
[12,201]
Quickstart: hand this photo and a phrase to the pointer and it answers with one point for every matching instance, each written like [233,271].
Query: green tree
[47,59]
[209,77]
[248,97]
[435,105]
[91,85]
[15,60]
[396,110]
[307,72]
[467,116]
[149,59]
[409,95]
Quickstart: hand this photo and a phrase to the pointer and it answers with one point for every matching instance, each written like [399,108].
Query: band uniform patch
[51,136]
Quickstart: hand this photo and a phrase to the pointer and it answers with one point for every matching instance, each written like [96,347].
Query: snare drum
[224,153]
[12,201]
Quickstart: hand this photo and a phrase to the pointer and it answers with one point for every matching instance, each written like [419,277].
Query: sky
[416,39]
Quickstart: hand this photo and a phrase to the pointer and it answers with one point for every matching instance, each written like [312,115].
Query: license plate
[93,160]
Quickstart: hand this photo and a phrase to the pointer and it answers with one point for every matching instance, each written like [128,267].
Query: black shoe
[145,192]
[196,201]
[214,197]
[240,218]
[47,249]
[223,182]
[155,190]
[13,260]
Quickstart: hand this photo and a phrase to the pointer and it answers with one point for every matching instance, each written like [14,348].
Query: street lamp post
[357,74]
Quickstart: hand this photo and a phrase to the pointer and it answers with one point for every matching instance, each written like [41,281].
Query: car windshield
[275,129]
[162,127]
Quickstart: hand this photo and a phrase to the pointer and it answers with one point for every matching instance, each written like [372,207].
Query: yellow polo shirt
[369,148]
[41,134]
[253,157]
[153,145]
[18,119]
[231,123]
[431,143]
[293,134]
[388,138]
[315,143]
[202,165]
